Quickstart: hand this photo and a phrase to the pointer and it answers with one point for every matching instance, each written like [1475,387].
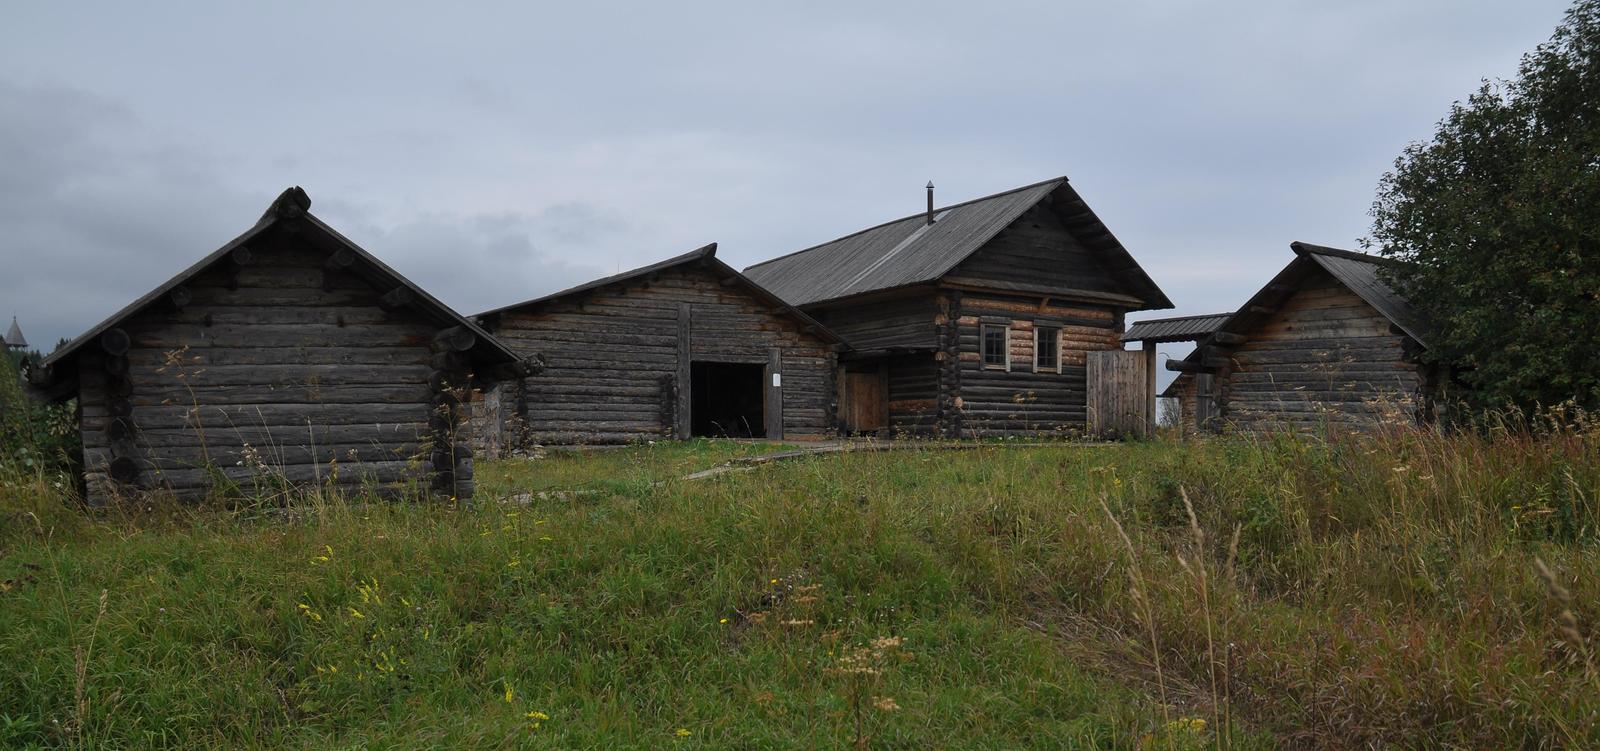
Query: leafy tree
[1499,217]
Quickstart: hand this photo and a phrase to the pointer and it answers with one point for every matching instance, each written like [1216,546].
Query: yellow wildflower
[510,693]
[537,715]
[683,733]
[356,613]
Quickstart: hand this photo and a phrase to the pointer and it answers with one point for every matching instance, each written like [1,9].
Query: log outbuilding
[1326,343]
[685,347]
[288,356]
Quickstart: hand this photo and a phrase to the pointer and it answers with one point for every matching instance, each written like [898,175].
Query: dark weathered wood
[115,342]
[774,395]
[454,339]
[684,344]
[124,470]
[396,298]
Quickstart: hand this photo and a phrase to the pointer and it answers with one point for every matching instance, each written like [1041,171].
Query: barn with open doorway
[682,348]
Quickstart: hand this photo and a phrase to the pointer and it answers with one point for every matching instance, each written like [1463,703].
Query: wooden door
[864,402]
[1118,385]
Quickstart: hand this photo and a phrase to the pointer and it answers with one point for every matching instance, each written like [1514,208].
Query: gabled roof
[1356,271]
[910,251]
[290,211]
[704,256]
[1175,329]
[1359,272]
[14,337]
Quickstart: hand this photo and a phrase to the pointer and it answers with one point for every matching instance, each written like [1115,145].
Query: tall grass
[1328,592]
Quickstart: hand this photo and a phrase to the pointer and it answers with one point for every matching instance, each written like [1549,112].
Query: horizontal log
[378,437]
[168,337]
[210,356]
[416,394]
[178,380]
[221,417]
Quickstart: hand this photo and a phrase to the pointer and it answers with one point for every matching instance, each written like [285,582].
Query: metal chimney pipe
[930,202]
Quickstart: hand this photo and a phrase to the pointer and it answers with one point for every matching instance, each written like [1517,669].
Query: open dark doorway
[727,399]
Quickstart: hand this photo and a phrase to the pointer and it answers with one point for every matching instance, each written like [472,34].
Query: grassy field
[1409,589]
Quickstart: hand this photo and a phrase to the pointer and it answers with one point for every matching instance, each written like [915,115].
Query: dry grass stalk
[1144,611]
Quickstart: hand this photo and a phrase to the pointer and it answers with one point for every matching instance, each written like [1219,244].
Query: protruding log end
[454,339]
[292,203]
[180,297]
[119,429]
[124,470]
[340,259]
[241,256]
[116,366]
[115,342]
[396,298]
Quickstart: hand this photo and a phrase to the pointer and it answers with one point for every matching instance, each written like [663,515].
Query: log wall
[279,369]
[1019,401]
[614,370]
[1324,357]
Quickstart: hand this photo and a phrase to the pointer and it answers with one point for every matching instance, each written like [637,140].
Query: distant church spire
[14,337]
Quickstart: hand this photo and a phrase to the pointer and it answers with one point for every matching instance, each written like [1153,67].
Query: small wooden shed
[685,347]
[1326,343]
[289,355]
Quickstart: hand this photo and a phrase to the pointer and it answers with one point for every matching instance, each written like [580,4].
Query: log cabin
[974,319]
[681,348]
[289,356]
[1326,343]
[1191,392]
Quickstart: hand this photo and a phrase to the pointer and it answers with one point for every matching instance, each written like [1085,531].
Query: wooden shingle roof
[911,251]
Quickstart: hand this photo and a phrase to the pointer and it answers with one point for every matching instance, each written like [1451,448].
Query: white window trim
[983,331]
[1036,368]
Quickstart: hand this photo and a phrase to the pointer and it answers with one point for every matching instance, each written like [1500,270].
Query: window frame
[1055,341]
[1005,345]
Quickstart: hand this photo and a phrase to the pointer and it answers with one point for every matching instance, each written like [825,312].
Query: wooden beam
[1150,389]
[1262,310]
[1228,338]
[774,405]
[680,411]
[1185,366]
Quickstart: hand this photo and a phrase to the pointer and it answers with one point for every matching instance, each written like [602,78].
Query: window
[1046,350]
[995,352]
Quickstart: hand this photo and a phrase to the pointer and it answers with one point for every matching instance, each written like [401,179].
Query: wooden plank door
[864,403]
[1118,386]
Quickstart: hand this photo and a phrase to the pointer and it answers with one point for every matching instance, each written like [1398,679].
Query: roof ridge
[1180,318]
[1328,250]
[709,250]
[881,225]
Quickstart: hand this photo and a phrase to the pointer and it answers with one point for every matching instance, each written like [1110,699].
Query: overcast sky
[495,153]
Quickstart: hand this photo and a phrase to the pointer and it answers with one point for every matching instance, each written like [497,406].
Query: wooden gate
[1119,388]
